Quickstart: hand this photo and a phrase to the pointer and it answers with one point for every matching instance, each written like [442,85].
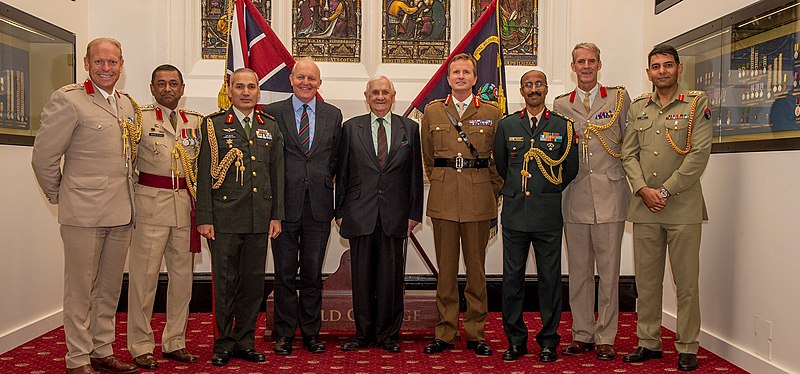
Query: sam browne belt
[459,162]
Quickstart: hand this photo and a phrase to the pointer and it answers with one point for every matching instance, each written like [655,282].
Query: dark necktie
[533,123]
[174,122]
[382,146]
[246,126]
[303,133]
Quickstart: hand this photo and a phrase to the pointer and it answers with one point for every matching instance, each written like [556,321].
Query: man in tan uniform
[665,151]
[457,136]
[163,197]
[94,128]
[595,204]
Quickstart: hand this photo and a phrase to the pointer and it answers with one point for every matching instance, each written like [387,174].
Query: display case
[748,64]
[36,58]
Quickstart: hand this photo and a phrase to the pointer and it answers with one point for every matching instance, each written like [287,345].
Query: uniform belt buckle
[459,162]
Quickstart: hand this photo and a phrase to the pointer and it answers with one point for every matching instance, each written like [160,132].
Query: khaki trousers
[589,245]
[150,244]
[94,260]
[471,237]
[650,244]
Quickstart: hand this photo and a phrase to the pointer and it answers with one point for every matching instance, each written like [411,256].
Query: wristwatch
[664,193]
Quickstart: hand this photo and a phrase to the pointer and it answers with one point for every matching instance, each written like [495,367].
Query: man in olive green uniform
[239,203]
[163,197]
[537,158]
[457,135]
[595,204]
[93,128]
[666,149]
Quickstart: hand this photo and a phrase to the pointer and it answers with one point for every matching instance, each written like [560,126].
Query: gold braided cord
[189,164]
[218,171]
[132,130]
[672,144]
[597,129]
[541,158]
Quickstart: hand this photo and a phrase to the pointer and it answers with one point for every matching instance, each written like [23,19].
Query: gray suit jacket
[600,193]
[95,186]
[365,191]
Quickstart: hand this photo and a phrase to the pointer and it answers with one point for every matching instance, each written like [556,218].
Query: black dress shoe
[687,362]
[548,354]
[437,346]
[249,355]
[283,346]
[480,347]
[313,344]
[220,358]
[354,345]
[641,354]
[392,347]
[515,352]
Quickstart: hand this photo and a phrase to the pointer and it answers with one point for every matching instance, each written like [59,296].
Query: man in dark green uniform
[239,202]
[664,152]
[536,156]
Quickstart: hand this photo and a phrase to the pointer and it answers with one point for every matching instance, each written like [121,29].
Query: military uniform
[461,203]
[239,190]
[594,207]
[163,226]
[655,153]
[94,192]
[532,215]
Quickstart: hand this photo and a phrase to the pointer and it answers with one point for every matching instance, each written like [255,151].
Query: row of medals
[12,85]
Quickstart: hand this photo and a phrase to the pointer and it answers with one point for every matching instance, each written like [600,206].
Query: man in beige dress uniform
[595,204]
[665,151]
[94,129]
[164,198]
[462,200]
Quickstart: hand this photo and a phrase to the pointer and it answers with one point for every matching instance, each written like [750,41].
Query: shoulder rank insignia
[562,95]
[694,93]
[71,87]
[189,111]
[148,107]
[265,115]
[643,96]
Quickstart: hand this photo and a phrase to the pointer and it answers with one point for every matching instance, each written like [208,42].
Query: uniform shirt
[592,94]
[462,104]
[387,125]
[241,116]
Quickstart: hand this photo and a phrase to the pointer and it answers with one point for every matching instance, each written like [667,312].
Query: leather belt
[157,181]
[459,162]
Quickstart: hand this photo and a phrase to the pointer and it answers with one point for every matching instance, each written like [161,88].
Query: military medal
[797,107]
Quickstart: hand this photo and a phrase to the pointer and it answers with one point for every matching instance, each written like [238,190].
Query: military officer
[240,175]
[93,128]
[457,135]
[594,204]
[665,151]
[537,159]
[164,200]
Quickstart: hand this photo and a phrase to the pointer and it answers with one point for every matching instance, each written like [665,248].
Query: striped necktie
[303,134]
[383,147]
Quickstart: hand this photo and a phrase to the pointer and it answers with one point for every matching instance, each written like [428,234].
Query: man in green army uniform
[536,155]
[457,135]
[664,152]
[239,203]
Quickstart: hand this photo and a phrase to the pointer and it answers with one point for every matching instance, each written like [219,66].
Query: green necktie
[247,126]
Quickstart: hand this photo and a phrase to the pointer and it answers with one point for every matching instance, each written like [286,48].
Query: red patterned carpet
[45,354]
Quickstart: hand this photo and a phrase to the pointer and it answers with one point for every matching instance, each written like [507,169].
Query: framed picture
[748,64]
[36,58]
[662,5]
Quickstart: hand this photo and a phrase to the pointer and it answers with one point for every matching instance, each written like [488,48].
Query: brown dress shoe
[85,369]
[576,348]
[605,352]
[146,361]
[112,364]
[180,355]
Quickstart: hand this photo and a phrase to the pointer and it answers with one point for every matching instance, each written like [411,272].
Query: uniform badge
[550,146]
[229,142]
[228,129]
[156,134]
[707,113]
[642,116]
[229,136]
[516,139]
[263,134]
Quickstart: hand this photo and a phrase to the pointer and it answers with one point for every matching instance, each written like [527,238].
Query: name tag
[516,139]
[229,136]
[156,134]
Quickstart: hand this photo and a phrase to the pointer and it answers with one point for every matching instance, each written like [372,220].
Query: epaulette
[642,96]
[435,101]
[490,102]
[517,113]
[694,93]
[264,114]
[615,87]
[71,87]
[189,111]
[562,95]
[219,112]
[148,107]
[565,118]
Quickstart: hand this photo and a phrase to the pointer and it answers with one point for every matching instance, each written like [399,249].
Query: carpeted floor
[45,354]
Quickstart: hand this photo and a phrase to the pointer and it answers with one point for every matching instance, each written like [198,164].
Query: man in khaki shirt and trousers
[462,201]
[163,197]
[665,151]
[595,204]
[94,128]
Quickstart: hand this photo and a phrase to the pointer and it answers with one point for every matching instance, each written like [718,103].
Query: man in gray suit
[378,203]
[94,129]
[595,204]
[311,129]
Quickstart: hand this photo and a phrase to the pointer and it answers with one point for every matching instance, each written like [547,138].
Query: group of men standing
[240,177]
